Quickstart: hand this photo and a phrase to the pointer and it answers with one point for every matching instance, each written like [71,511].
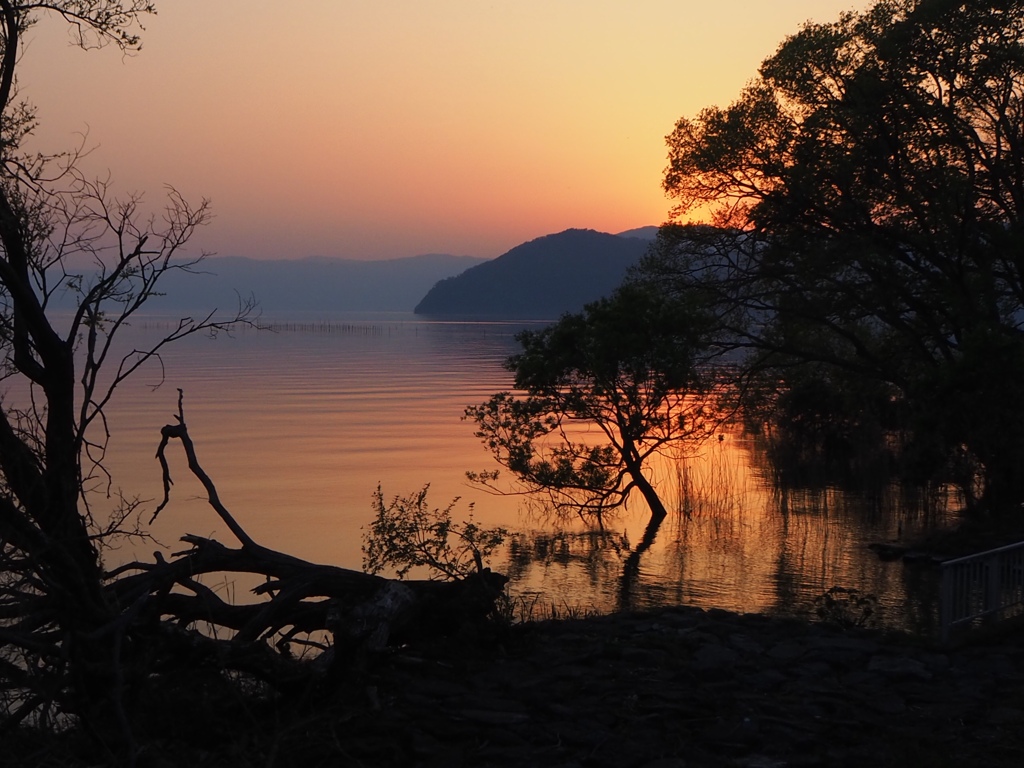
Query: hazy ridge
[541,279]
[310,284]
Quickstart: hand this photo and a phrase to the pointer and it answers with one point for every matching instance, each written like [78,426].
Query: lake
[298,427]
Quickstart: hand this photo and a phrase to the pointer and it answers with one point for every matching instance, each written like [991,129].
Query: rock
[788,650]
[917,557]
[899,666]
[1005,716]
[887,703]
[814,669]
[745,645]
[492,717]
[936,662]
[887,551]
[844,643]
[690,690]
[714,656]
[759,761]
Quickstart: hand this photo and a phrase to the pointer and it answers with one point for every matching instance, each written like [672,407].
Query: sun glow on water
[297,428]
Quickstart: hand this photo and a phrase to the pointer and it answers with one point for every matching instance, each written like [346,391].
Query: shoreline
[667,688]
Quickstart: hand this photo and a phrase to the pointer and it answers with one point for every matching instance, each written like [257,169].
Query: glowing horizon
[392,129]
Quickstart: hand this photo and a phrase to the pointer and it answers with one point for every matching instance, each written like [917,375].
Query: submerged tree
[602,391]
[868,195]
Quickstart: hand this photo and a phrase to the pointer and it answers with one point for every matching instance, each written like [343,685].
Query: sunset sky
[387,128]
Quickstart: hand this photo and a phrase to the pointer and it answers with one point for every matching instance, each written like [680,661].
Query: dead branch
[301,599]
[180,431]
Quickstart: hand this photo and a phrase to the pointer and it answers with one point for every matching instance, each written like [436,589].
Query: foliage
[868,201]
[406,533]
[846,608]
[64,236]
[529,607]
[98,654]
[601,392]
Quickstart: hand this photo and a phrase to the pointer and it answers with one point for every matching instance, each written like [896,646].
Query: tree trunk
[635,470]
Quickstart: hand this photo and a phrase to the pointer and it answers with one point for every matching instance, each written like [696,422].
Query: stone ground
[685,687]
[666,689]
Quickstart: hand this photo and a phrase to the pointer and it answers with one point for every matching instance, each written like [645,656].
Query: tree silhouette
[868,193]
[631,368]
[85,648]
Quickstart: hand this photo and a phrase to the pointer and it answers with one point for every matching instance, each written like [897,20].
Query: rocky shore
[684,687]
[672,688]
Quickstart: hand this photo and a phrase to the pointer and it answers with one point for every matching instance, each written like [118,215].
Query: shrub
[407,533]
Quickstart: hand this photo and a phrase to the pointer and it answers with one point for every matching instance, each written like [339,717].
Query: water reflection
[298,427]
[631,566]
[741,543]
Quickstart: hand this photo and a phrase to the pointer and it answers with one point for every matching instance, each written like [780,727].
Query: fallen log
[342,611]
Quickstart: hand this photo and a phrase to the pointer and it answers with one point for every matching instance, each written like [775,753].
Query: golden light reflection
[735,542]
[298,429]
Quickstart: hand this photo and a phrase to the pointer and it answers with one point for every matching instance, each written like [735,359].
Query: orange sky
[396,127]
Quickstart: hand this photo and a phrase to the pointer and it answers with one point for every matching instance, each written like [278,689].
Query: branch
[180,431]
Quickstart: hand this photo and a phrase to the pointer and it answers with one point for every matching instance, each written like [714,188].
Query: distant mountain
[642,233]
[541,279]
[315,283]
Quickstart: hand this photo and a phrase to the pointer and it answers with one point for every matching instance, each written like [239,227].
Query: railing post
[946,602]
[993,588]
[981,587]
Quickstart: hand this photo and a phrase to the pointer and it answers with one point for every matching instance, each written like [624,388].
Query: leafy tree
[867,192]
[601,392]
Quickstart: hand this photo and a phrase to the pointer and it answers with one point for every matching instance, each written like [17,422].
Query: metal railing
[982,588]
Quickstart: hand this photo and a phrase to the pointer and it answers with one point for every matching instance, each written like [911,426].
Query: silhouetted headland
[541,279]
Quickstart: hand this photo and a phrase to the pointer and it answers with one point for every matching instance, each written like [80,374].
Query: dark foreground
[674,688]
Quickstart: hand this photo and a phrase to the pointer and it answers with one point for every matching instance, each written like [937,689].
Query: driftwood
[304,627]
[339,611]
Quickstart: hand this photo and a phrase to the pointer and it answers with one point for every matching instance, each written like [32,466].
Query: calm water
[298,427]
